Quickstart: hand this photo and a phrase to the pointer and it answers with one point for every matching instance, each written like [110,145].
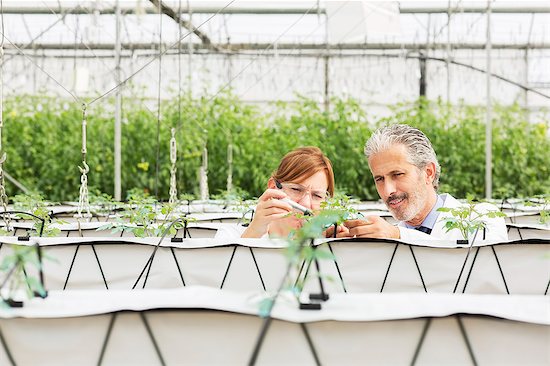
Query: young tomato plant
[15,274]
[467,218]
[35,204]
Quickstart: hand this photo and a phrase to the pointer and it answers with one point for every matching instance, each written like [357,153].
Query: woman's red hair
[302,163]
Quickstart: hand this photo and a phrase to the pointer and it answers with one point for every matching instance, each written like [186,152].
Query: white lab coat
[495,231]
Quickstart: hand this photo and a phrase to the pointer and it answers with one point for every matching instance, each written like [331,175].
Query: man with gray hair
[406,173]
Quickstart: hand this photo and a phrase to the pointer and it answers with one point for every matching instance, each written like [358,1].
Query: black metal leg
[257,268]
[306,273]
[71,267]
[6,349]
[500,269]
[100,269]
[300,273]
[463,266]
[150,332]
[338,269]
[147,267]
[321,286]
[547,286]
[418,269]
[519,232]
[148,271]
[466,340]
[421,341]
[267,320]
[470,271]
[177,265]
[107,337]
[310,344]
[228,266]
[265,327]
[388,270]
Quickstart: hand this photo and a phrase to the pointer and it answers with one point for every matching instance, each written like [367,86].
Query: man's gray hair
[419,148]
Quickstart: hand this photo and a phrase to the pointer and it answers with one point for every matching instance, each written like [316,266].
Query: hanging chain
[83,201]
[3,195]
[230,166]
[173,169]
[203,173]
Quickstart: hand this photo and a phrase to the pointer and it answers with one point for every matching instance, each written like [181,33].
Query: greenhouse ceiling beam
[87,9]
[237,47]
[172,14]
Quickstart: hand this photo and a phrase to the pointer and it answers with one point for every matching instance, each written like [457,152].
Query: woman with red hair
[305,177]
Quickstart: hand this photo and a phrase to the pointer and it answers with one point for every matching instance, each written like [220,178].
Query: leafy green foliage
[103,203]
[15,273]
[42,140]
[300,248]
[543,201]
[467,218]
[35,204]
[144,216]
[342,204]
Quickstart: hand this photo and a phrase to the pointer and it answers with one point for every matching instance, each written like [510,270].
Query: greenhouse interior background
[234,77]
[189,182]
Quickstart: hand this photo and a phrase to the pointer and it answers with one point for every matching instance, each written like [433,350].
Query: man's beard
[413,206]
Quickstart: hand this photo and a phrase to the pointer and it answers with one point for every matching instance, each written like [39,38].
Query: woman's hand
[269,208]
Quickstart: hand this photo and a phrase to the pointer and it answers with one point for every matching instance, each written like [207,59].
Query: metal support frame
[488,115]
[14,7]
[231,262]
[147,328]
[118,108]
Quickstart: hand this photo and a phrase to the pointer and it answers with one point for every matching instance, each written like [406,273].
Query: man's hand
[371,227]
[341,232]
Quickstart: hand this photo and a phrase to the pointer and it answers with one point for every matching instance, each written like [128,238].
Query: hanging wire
[264,51]
[160,54]
[46,30]
[41,69]
[292,51]
[74,31]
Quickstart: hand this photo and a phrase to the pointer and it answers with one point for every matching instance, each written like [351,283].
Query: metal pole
[488,116]
[327,68]
[526,73]
[190,53]
[526,82]
[422,62]
[448,61]
[118,109]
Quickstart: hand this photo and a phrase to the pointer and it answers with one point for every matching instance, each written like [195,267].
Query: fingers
[341,232]
[372,227]
[359,222]
[272,194]
[273,206]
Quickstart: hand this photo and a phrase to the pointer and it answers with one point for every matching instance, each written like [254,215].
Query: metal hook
[86,168]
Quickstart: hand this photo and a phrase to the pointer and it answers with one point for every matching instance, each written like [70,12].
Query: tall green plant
[42,140]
